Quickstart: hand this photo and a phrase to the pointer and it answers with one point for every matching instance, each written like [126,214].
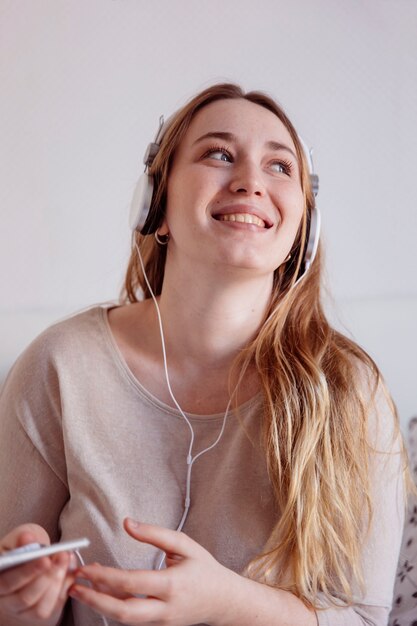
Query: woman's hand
[34,593]
[193,589]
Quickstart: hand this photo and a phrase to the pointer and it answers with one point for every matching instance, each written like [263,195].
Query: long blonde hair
[315,422]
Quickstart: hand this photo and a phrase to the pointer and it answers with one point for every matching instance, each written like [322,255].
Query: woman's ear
[163,229]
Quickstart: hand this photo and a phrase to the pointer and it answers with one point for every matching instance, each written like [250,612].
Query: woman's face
[234,197]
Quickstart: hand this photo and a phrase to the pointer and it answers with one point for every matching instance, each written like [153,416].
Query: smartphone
[33,551]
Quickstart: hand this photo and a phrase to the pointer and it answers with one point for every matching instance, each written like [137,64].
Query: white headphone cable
[190,459]
[164,353]
[81,560]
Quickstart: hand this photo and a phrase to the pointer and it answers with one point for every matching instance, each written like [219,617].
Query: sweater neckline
[241,410]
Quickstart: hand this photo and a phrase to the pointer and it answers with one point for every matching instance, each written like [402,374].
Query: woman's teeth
[245,218]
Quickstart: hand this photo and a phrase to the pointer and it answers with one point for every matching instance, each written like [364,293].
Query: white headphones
[142,196]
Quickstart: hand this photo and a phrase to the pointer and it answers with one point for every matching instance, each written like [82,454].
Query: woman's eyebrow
[216,135]
[271,145]
[276,145]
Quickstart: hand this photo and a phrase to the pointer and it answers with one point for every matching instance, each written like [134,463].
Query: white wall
[83,84]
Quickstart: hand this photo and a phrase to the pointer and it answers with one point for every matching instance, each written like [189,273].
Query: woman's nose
[247,179]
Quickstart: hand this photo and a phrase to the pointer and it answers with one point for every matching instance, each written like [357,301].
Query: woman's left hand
[193,588]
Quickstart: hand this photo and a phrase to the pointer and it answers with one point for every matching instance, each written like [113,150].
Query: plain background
[83,83]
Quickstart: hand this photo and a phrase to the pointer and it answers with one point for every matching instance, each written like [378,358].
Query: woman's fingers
[131,611]
[27,597]
[51,600]
[172,541]
[187,589]
[36,590]
[42,593]
[17,577]
[126,583]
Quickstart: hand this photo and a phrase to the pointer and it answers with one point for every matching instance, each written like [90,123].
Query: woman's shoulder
[73,335]
[78,327]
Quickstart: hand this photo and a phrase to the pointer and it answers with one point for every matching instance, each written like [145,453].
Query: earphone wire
[81,560]
[161,332]
[190,459]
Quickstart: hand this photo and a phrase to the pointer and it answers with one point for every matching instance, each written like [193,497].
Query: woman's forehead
[239,117]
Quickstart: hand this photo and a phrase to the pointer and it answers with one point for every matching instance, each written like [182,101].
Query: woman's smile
[242,218]
[238,214]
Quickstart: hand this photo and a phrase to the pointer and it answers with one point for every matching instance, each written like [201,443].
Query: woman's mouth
[244,218]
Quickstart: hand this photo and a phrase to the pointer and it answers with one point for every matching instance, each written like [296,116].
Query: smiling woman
[256,445]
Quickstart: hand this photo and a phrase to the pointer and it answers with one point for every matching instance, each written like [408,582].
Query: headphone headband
[153,147]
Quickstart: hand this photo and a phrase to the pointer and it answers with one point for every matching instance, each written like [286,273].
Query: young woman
[251,446]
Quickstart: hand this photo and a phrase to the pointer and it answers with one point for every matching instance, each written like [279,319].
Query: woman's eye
[282,167]
[218,154]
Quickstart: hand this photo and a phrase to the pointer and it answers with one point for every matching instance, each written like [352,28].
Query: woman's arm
[193,589]
[32,495]
[32,459]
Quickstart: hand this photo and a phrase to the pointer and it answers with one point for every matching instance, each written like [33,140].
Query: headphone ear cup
[141,202]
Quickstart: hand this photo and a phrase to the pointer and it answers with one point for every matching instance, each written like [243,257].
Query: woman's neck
[210,321]
[206,323]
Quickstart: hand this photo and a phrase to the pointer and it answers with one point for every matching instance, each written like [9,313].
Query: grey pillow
[404,608]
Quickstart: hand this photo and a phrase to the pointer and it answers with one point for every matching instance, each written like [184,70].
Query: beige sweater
[83,444]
